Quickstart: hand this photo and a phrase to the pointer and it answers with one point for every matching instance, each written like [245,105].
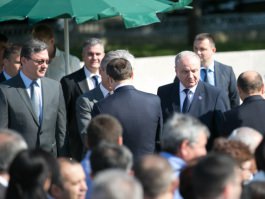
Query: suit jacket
[17,113]
[139,114]
[73,86]
[207,105]
[250,113]
[2,77]
[84,107]
[225,79]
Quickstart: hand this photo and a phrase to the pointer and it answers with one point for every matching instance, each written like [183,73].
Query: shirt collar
[104,90]
[6,75]
[28,81]
[3,181]
[57,52]
[88,73]
[182,87]
[210,68]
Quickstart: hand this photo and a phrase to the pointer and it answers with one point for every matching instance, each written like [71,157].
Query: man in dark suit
[76,84]
[190,95]
[251,112]
[34,105]
[11,62]
[85,102]
[138,112]
[213,72]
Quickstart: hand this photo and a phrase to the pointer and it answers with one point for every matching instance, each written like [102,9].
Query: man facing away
[78,83]
[11,60]
[34,105]
[214,72]
[191,96]
[57,65]
[251,112]
[138,112]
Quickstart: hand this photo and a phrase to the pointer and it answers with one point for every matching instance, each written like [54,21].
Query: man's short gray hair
[92,42]
[11,143]
[116,184]
[182,54]
[125,54]
[179,128]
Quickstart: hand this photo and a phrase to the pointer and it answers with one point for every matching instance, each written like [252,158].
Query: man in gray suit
[213,72]
[34,105]
[85,103]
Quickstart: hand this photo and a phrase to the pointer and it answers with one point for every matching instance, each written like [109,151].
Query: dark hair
[212,173]
[203,36]
[32,46]
[103,128]
[254,190]
[3,38]
[12,49]
[109,155]
[155,174]
[42,32]
[119,69]
[249,85]
[28,173]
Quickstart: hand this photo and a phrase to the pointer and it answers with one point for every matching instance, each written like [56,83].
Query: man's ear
[55,191]
[183,149]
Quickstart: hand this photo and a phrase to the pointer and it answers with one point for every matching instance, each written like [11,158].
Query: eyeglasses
[40,62]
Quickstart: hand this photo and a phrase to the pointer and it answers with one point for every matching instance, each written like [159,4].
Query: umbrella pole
[66,45]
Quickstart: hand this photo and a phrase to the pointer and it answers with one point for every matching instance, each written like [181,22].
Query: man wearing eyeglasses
[33,104]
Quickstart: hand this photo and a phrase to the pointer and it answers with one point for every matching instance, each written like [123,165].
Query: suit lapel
[82,83]
[197,98]
[25,97]
[175,96]
[218,75]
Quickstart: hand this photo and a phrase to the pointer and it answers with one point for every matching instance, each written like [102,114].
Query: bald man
[251,112]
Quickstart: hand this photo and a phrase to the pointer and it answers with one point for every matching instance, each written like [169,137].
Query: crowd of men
[87,132]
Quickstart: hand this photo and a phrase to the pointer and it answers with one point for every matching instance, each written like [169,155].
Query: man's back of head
[110,156]
[248,136]
[182,133]
[10,144]
[217,176]
[250,83]
[104,127]
[116,184]
[156,176]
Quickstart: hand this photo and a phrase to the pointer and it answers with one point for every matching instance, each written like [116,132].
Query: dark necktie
[186,103]
[95,78]
[35,99]
[205,71]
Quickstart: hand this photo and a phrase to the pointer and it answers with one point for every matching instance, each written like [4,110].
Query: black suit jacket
[140,116]
[225,79]
[250,113]
[17,113]
[73,86]
[2,77]
[207,105]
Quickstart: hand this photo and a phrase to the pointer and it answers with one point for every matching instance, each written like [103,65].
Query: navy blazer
[140,116]
[225,79]
[250,113]
[74,85]
[207,105]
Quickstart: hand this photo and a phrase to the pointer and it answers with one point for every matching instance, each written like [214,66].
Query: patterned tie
[95,78]
[35,102]
[186,103]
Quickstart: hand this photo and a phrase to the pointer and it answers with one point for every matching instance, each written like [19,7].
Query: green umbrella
[134,13]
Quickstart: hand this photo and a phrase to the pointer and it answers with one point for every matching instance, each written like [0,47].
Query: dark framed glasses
[40,61]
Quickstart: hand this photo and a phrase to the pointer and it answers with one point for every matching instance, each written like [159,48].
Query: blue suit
[207,105]
[140,116]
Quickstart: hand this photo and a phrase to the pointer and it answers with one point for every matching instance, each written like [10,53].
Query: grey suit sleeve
[3,110]
[61,132]
[233,93]
[84,108]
